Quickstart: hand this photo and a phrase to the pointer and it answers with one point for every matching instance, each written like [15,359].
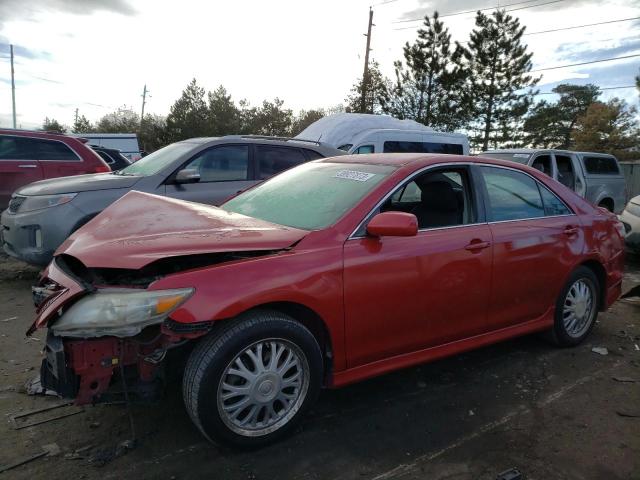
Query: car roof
[258,139]
[33,133]
[416,160]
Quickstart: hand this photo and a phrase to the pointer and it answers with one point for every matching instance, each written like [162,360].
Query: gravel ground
[551,413]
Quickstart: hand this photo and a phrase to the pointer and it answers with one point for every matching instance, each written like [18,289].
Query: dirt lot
[553,414]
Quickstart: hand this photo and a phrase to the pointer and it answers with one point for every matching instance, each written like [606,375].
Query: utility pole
[75,122]
[144,100]
[13,88]
[365,75]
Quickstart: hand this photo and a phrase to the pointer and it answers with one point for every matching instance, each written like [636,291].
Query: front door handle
[27,166]
[477,245]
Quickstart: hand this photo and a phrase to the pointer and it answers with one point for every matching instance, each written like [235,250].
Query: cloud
[579,52]
[22,52]
[21,9]
[443,7]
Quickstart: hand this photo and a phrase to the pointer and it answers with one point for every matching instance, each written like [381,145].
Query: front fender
[312,278]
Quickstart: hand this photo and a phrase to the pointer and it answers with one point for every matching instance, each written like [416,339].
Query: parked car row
[206,170]
[318,268]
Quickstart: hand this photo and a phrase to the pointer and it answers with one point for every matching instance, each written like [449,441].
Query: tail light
[102,169]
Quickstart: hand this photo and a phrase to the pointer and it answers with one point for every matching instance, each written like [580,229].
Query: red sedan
[330,273]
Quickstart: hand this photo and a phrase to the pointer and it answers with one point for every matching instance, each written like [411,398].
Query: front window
[311,196]
[362,149]
[225,163]
[158,160]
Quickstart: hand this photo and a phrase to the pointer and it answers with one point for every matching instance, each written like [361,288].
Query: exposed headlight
[118,312]
[38,202]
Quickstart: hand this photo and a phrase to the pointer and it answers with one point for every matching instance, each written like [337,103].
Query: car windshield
[311,196]
[156,161]
[522,158]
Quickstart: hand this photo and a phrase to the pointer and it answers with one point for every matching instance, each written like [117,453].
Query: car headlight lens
[38,202]
[118,312]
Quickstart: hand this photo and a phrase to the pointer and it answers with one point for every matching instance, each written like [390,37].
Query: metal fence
[632,176]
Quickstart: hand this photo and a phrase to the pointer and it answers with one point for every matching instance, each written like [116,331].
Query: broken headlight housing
[118,312]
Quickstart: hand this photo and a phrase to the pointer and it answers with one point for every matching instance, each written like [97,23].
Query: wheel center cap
[266,387]
[581,308]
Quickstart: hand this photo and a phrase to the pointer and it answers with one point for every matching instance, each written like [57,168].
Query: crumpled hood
[140,228]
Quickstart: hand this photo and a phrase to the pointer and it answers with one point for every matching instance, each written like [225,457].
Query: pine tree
[52,125]
[428,86]
[375,94]
[188,115]
[82,125]
[551,125]
[610,127]
[304,119]
[498,66]
[123,120]
[223,115]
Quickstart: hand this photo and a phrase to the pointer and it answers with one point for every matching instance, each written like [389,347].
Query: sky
[96,55]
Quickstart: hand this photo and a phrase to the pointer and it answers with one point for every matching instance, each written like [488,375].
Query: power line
[482,10]
[601,88]
[583,26]
[584,63]
[383,3]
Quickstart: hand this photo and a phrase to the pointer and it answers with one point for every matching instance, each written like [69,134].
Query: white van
[127,143]
[365,133]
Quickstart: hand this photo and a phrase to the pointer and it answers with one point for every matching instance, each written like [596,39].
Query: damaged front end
[97,336]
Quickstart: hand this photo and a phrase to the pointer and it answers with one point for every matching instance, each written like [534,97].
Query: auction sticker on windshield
[354,175]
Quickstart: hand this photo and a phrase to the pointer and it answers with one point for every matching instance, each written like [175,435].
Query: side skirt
[430,354]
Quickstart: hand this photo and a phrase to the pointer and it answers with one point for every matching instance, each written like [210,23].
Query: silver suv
[594,176]
[43,214]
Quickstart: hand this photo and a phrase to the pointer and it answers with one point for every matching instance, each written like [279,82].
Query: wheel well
[314,323]
[607,203]
[600,273]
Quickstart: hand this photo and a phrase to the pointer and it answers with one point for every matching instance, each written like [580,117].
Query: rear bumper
[34,236]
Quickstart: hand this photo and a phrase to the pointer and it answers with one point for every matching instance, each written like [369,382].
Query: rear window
[26,148]
[601,165]
[272,160]
[422,147]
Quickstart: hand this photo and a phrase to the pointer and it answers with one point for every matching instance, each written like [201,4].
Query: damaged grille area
[150,273]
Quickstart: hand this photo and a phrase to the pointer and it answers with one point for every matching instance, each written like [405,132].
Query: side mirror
[188,175]
[393,224]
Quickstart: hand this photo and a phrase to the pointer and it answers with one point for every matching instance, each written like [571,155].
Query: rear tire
[248,384]
[576,308]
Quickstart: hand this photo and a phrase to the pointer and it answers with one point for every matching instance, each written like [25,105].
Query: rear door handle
[477,245]
[27,166]
[570,230]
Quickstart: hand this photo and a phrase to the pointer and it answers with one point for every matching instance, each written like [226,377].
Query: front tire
[248,384]
[576,308]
